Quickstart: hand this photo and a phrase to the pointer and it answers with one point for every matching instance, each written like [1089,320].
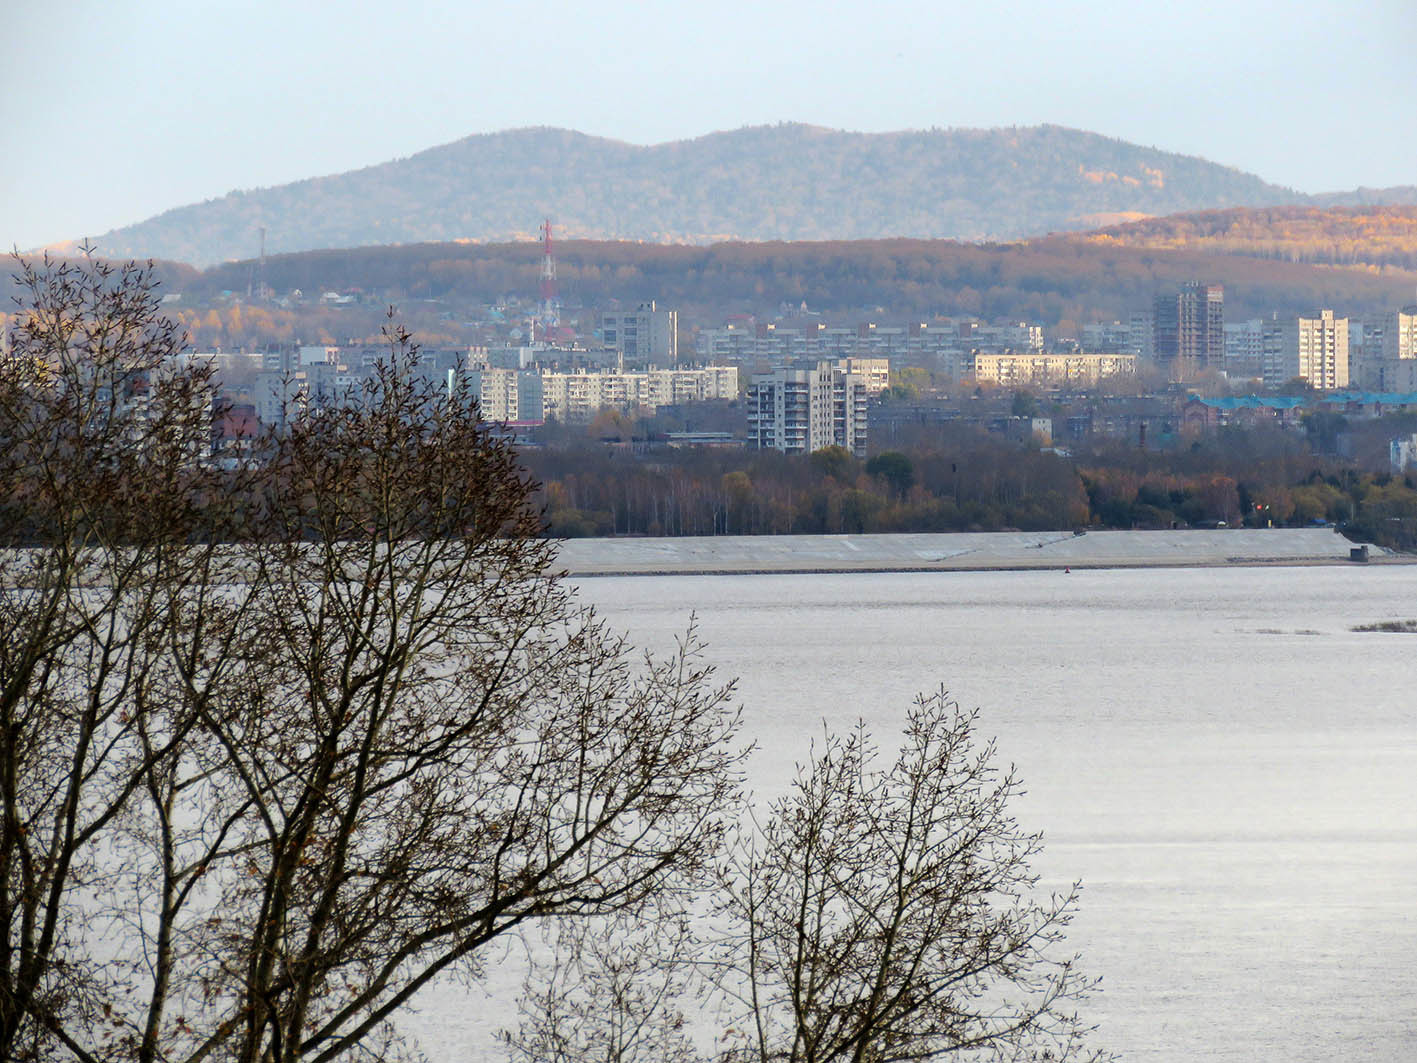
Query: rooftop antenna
[549,316]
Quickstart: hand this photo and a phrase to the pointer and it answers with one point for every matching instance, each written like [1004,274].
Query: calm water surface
[1228,767]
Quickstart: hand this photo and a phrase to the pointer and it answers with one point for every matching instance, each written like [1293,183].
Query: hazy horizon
[116,115]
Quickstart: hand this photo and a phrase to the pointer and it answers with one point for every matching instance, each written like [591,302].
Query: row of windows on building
[528,395]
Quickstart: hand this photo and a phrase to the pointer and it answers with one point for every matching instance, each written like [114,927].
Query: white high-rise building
[798,411]
[496,392]
[875,373]
[1400,334]
[1317,351]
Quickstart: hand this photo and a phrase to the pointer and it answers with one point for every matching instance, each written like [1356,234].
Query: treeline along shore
[958,479]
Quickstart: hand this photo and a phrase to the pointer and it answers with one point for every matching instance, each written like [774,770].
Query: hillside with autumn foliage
[1047,281]
[1278,260]
[1360,237]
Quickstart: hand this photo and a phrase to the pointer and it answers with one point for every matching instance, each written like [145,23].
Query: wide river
[1227,766]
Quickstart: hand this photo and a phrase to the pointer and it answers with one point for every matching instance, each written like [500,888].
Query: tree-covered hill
[784,182]
[1048,280]
[1361,236]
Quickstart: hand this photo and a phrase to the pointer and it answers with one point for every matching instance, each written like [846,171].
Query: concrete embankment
[962,551]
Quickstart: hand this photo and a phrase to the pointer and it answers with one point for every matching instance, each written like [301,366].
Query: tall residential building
[875,373]
[1189,329]
[1400,334]
[1399,374]
[1382,350]
[1244,349]
[1141,327]
[1317,350]
[283,396]
[1367,351]
[646,335]
[497,393]
[798,411]
[1274,362]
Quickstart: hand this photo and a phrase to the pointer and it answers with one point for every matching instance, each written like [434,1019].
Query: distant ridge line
[787,182]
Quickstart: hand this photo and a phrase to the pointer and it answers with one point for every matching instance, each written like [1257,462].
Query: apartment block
[799,410]
[875,373]
[738,342]
[497,392]
[646,335]
[1316,350]
[1382,351]
[1031,369]
[1189,329]
[1395,375]
[1244,349]
[283,395]
[1400,334]
[1142,328]
[1113,337]
[539,395]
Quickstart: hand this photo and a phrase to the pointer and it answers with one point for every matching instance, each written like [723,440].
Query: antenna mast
[550,317]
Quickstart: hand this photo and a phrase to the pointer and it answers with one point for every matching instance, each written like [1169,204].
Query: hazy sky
[113,112]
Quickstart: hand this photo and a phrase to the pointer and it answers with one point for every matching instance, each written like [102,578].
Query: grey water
[1229,769]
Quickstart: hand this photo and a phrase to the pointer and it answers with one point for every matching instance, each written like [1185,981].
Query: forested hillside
[785,182]
[1341,236]
[1289,260]
[1049,280]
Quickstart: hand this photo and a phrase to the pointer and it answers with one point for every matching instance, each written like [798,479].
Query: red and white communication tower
[550,315]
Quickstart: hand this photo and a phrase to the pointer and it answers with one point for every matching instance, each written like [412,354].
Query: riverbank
[961,551]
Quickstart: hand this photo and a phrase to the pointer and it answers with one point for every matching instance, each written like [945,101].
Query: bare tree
[453,747]
[619,989]
[101,501]
[359,731]
[879,915]
[890,914]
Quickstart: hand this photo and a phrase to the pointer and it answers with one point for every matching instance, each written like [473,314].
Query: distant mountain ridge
[762,183]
